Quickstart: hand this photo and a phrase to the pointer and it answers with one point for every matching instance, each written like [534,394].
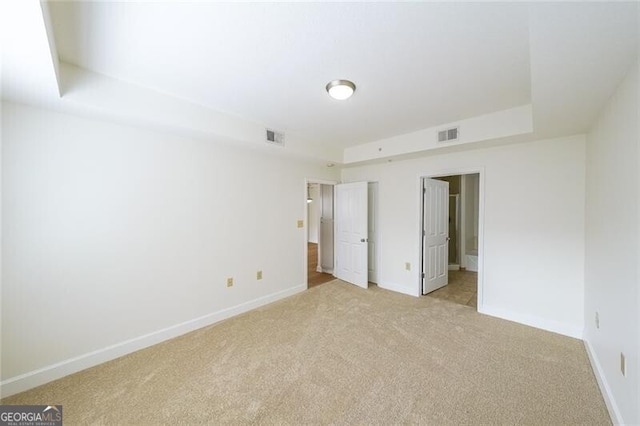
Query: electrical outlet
[300,223]
[259,275]
[407,266]
[623,365]
[230,282]
[597,320]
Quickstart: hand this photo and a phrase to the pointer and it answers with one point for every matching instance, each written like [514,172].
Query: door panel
[435,235]
[351,233]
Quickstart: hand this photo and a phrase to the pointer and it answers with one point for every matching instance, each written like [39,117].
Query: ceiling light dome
[341,89]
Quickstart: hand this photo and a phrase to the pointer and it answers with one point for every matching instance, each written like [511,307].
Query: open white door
[351,233]
[435,235]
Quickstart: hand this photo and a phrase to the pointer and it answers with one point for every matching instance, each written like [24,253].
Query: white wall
[500,124]
[612,256]
[533,227]
[313,213]
[112,233]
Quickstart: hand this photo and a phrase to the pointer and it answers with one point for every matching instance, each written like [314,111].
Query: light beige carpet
[340,354]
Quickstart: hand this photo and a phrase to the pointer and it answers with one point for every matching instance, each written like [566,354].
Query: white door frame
[481,194]
[305,251]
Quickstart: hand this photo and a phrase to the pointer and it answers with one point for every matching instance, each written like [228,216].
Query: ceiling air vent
[274,137]
[448,135]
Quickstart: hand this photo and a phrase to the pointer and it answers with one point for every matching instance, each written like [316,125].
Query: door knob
[448,239]
[362,240]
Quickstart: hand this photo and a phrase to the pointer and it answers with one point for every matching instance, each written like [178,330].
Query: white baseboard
[533,321]
[56,371]
[614,412]
[453,267]
[399,289]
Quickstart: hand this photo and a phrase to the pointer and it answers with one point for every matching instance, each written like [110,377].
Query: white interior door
[351,233]
[435,231]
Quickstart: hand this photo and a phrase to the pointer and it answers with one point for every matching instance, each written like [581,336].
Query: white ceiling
[580,52]
[416,65]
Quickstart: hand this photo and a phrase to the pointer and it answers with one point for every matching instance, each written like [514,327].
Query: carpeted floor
[340,354]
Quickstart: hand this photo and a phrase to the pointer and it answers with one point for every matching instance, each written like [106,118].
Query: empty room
[320,213]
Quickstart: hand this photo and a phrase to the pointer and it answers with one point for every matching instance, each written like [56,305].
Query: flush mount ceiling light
[341,89]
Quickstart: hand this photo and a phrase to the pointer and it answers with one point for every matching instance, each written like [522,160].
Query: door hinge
[424,233]
[423,275]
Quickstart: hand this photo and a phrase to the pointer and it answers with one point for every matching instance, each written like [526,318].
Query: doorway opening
[344,218]
[452,236]
[320,232]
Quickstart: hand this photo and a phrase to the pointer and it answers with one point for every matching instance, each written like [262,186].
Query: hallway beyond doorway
[314,277]
[462,289]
